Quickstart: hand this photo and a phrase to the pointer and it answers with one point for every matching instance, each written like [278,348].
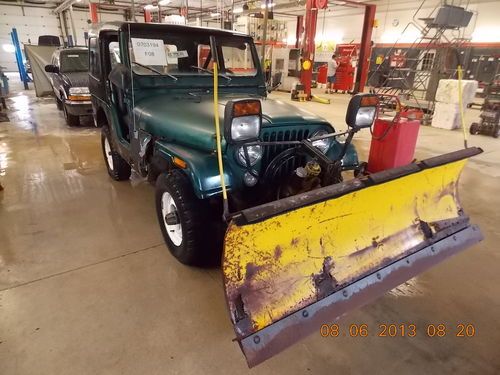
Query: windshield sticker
[149,51]
[177,54]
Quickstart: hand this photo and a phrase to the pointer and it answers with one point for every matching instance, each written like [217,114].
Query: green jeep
[152,89]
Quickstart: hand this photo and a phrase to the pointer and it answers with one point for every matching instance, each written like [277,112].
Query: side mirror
[361,111]
[51,69]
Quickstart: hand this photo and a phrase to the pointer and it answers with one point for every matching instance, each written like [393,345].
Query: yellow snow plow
[299,262]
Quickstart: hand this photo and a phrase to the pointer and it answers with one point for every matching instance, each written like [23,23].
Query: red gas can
[322,73]
[393,142]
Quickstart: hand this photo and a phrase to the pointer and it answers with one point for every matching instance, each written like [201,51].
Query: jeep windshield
[179,54]
[74,61]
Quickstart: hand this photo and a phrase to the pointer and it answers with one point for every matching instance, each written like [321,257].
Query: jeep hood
[188,120]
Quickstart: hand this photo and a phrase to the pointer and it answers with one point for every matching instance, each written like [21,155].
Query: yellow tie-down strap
[278,265]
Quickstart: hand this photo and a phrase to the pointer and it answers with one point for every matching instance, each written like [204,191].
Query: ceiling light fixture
[270,5]
[163,2]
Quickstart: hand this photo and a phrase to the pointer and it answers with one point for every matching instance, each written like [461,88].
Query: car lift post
[308,46]
[93,13]
[19,59]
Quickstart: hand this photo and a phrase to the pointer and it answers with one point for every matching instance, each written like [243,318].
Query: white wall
[81,17]
[34,22]
[39,21]
[342,26]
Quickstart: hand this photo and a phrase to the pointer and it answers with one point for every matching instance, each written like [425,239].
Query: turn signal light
[246,108]
[79,97]
[179,162]
[369,101]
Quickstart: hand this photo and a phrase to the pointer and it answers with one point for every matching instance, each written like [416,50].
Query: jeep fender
[110,118]
[350,159]
[201,169]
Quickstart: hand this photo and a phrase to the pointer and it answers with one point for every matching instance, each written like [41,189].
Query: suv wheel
[71,120]
[118,168]
[182,218]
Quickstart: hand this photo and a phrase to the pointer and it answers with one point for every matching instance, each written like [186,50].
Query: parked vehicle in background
[70,82]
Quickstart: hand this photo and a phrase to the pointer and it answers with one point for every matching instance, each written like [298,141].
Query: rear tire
[474,128]
[71,120]
[118,168]
[186,233]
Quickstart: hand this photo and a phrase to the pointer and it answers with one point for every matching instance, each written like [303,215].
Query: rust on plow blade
[293,264]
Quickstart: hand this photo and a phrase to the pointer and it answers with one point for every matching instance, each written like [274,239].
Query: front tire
[118,168]
[182,218]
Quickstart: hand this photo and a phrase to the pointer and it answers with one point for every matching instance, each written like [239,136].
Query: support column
[147,15]
[365,49]
[73,28]
[298,31]
[264,35]
[94,18]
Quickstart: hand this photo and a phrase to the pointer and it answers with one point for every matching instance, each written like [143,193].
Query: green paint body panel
[184,127]
[179,115]
[183,120]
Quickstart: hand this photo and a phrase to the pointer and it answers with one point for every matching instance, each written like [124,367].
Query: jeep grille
[270,152]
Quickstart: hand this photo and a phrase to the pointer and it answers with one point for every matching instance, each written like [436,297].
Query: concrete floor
[88,287]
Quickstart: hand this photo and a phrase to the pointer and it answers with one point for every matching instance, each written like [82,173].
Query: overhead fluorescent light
[237,10]
[270,5]
[9,48]
[150,7]
[215,14]
[163,2]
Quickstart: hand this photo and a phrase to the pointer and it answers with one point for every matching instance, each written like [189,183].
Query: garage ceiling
[281,7]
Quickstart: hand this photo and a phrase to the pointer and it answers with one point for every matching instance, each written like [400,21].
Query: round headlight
[322,144]
[254,155]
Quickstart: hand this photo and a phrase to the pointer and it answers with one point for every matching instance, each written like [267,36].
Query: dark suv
[70,82]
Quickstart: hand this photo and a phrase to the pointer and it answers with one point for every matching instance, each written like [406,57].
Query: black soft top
[159,27]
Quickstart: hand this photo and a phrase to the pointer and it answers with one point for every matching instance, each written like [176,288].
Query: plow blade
[297,263]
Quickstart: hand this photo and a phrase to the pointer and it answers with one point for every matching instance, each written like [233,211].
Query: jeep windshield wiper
[229,79]
[155,71]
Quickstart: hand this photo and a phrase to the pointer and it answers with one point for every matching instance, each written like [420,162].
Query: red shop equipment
[344,76]
[322,73]
[393,137]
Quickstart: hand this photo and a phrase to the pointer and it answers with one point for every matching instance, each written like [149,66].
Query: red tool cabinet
[346,58]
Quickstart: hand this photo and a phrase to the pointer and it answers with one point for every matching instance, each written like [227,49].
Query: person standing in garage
[332,69]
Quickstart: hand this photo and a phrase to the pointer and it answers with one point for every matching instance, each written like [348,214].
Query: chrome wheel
[171,218]
[109,155]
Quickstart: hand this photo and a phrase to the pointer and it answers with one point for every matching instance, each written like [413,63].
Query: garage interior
[87,283]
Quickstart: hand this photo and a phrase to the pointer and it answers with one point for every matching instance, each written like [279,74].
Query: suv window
[114,54]
[238,59]
[74,61]
[187,54]
[95,68]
